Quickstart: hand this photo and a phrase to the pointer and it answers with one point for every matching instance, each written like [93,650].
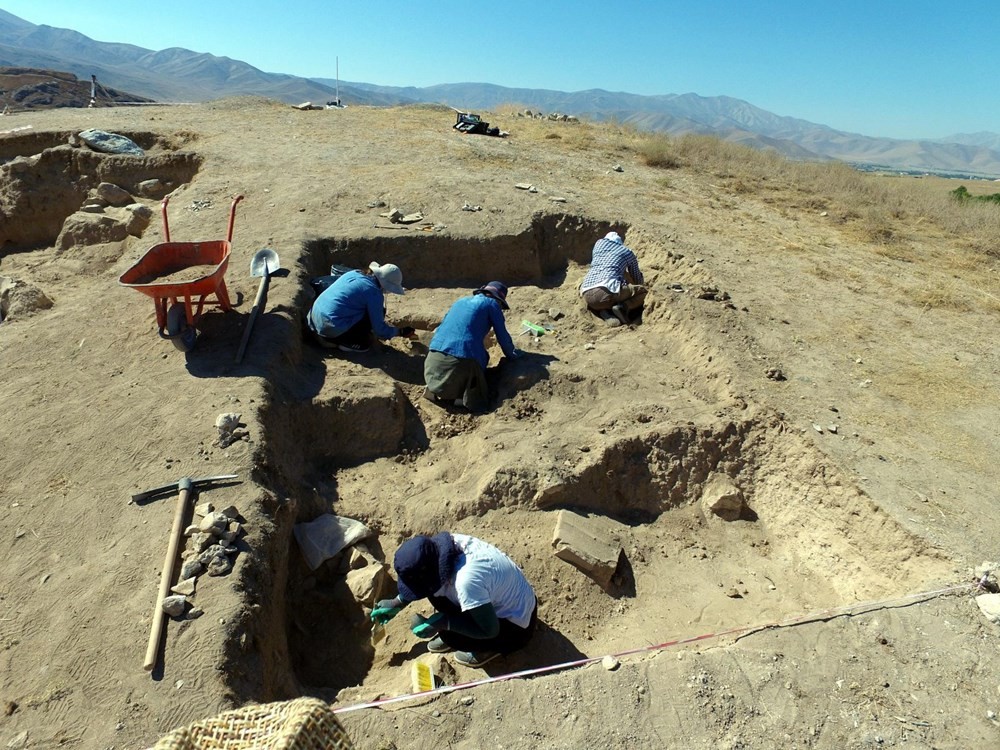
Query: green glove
[426,627]
[382,615]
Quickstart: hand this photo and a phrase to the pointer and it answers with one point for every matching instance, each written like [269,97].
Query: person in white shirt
[484,605]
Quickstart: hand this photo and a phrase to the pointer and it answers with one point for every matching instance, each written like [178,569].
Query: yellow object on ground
[422,677]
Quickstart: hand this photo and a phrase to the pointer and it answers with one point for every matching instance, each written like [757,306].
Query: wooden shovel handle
[167,576]
[261,293]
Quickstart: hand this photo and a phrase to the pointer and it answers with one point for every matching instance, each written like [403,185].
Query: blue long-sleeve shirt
[466,324]
[344,303]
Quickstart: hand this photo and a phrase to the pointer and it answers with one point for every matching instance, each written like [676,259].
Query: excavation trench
[44,180]
[363,446]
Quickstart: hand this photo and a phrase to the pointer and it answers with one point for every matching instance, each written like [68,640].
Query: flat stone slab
[591,543]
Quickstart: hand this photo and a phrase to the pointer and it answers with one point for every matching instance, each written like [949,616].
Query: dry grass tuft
[658,151]
[881,212]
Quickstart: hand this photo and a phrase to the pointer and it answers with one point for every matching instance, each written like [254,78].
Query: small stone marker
[589,543]
[184,587]
[192,568]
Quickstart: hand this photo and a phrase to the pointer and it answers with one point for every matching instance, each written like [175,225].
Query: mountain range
[180,75]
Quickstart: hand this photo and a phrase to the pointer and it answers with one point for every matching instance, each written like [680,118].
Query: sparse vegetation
[880,209]
[658,151]
[962,194]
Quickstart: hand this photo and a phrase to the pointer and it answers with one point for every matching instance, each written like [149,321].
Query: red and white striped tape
[825,614]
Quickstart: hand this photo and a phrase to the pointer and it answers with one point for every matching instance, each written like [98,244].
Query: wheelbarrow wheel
[179,332]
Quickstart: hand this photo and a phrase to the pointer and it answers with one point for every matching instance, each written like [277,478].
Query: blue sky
[913,69]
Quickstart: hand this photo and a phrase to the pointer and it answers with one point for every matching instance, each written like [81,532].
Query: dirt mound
[849,491]
[28,89]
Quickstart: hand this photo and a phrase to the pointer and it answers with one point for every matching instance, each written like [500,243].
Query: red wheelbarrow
[181,277]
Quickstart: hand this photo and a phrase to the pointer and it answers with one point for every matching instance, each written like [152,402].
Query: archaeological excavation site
[698,498]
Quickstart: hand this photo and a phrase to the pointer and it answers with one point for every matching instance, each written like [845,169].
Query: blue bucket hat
[497,290]
[424,564]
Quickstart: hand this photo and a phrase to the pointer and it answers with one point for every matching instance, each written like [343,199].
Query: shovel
[263,264]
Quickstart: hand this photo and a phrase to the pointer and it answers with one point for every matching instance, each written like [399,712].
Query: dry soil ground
[899,499]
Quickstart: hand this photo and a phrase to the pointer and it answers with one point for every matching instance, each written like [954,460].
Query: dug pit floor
[625,422]
[583,426]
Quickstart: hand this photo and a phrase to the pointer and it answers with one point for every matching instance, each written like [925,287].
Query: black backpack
[320,284]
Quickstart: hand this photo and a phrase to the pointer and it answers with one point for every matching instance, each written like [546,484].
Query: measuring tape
[826,614]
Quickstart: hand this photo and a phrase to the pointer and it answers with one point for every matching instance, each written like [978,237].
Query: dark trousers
[453,379]
[510,638]
[358,334]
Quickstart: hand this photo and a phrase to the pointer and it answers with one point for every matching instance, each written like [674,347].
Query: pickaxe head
[184,483]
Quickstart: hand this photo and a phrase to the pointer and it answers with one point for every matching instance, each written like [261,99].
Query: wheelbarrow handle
[163,212]
[232,217]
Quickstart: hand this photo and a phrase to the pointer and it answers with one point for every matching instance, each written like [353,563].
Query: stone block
[989,605]
[591,543]
[366,583]
[722,498]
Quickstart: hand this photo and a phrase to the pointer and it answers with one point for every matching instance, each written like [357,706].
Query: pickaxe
[185,486]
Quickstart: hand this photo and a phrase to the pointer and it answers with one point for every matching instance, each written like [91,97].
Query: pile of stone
[555,116]
[109,214]
[228,425]
[210,548]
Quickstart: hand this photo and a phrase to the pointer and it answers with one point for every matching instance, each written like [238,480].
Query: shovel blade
[264,262]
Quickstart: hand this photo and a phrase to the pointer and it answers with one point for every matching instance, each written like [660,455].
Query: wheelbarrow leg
[161,312]
[223,294]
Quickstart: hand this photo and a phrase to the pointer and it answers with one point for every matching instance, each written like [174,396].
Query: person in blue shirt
[484,605]
[614,287]
[352,309]
[455,368]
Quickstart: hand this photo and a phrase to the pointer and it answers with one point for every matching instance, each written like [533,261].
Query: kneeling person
[455,368]
[614,288]
[484,605]
[352,309]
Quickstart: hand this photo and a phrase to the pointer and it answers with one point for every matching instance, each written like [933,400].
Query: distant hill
[29,88]
[729,118]
[170,75]
[180,75]
[984,139]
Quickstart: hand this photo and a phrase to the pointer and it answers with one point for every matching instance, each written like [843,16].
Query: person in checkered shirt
[614,287]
